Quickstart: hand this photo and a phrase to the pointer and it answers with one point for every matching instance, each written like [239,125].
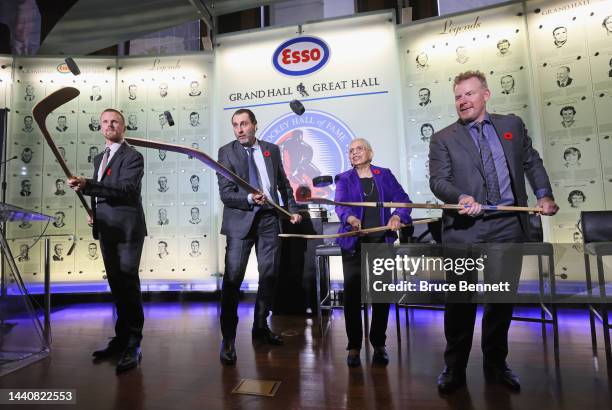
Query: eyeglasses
[357,150]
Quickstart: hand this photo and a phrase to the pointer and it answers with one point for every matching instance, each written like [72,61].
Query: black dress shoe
[130,359]
[228,352]
[380,355]
[353,359]
[450,380]
[265,335]
[502,375]
[115,348]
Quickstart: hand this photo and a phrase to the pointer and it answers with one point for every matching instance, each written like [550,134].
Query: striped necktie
[253,173]
[490,172]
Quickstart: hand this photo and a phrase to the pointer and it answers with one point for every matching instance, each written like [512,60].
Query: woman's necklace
[371,187]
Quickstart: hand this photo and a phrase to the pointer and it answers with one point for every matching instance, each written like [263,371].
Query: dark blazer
[456,168]
[118,213]
[567,83]
[348,189]
[238,214]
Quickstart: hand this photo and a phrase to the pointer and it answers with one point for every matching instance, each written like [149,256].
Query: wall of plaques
[550,62]
[571,45]
[176,189]
[177,193]
[493,41]
[35,180]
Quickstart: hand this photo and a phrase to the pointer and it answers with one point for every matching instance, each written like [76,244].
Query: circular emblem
[301,56]
[313,144]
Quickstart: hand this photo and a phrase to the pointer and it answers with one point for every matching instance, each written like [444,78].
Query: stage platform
[181,368]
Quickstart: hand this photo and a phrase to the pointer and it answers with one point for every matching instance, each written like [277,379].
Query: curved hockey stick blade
[41,111]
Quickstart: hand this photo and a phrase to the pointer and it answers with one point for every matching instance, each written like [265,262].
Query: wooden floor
[181,369]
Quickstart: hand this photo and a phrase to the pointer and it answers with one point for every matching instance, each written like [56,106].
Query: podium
[22,336]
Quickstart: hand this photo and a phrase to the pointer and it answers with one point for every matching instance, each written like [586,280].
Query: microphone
[169,118]
[72,66]
[8,160]
[297,107]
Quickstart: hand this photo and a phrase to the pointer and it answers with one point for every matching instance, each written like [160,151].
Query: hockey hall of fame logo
[315,143]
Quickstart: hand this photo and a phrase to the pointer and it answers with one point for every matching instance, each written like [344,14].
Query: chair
[543,250]
[432,233]
[597,236]
[422,236]
[328,299]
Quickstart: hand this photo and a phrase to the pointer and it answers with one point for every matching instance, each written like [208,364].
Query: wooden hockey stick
[41,111]
[353,233]
[303,196]
[206,159]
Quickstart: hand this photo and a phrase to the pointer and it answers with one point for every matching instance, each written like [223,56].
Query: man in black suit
[248,220]
[58,251]
[483,158]
[93,152]
[119,224]
[94,124]
[424,97]
[26,187]
[563,77]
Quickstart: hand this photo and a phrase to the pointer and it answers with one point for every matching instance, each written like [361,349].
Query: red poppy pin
[508,136]
[266,153]
[376,171]
[108,172]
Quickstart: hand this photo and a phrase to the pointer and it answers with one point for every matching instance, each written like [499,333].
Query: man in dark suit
[248,220]
[94,124]
[483,158]
[563,77]
[119,224]
[58,250]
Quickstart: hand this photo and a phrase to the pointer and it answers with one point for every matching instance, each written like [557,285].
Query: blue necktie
[490,172]
[253,175]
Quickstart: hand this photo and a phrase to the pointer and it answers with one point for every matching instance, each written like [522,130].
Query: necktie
[253,175]
[104,163]
[490,173]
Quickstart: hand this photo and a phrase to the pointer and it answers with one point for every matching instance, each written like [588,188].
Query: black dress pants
[121,261]
[264,235]
[503,262]
[351,264]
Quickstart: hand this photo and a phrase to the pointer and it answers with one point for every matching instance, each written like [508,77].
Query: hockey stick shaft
[354,233]
[40,112]
[507,208]
[209,161]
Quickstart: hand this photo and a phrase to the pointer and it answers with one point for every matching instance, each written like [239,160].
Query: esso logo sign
[63,68]
[301,56]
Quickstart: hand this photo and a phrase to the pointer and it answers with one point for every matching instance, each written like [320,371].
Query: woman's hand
[354,222]
[395,223]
